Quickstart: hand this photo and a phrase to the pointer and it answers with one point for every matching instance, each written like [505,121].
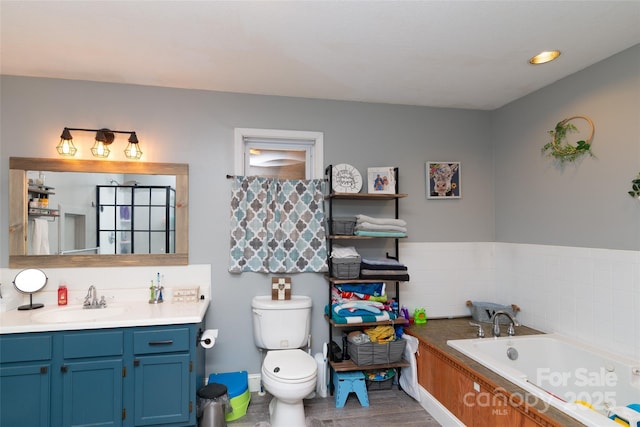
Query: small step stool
[347,382]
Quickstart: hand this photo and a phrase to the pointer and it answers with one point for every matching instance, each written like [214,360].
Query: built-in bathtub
[560,371]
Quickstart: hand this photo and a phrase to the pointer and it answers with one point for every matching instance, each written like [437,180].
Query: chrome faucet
[91,300]
[496,327]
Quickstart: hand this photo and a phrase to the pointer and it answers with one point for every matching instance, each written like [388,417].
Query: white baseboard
[437,410]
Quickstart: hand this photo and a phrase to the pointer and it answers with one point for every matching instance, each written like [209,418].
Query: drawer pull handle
[166,342]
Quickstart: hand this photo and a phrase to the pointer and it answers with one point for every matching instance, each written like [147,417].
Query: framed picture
[381,180]
[443,180]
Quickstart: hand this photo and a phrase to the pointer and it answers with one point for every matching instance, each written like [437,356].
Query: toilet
[289,373]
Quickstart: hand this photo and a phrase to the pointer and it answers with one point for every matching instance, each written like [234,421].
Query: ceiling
[458,54]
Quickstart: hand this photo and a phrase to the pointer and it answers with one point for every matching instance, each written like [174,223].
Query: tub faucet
[496,326]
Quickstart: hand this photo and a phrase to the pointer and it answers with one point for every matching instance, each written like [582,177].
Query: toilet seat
[289,366]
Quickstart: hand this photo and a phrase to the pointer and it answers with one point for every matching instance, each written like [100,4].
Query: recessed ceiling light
[544,57]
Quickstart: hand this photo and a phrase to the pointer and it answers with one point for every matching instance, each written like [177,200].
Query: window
[278,153]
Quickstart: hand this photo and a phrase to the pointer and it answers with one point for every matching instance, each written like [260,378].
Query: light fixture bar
[104,138]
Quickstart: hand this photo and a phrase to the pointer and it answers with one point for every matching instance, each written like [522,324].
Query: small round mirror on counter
[29,281]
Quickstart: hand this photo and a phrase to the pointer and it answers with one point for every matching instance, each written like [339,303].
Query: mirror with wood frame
[20,170]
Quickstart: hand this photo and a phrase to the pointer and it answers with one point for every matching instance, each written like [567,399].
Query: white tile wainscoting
[588,293]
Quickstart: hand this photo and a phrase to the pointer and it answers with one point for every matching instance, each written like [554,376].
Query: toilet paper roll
[208,338]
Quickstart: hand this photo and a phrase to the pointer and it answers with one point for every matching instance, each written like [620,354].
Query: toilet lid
[289,365]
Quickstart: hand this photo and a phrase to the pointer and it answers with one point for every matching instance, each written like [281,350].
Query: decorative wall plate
[346,179]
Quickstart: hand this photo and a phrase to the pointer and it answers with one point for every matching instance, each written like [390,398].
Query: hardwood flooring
[386,408]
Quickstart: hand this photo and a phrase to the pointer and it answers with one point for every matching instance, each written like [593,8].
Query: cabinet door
[92,393]
[25,395]
[162,390]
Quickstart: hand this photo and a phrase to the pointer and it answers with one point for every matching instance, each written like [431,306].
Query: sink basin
[77,314]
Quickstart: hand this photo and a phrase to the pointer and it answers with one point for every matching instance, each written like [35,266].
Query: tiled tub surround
[592,295]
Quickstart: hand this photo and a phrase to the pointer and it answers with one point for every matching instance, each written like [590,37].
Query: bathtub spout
[496,327]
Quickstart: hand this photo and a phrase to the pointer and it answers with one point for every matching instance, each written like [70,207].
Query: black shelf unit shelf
[349,365]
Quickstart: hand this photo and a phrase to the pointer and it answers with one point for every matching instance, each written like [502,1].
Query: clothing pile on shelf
[380,227]
[384,269]
[360,302]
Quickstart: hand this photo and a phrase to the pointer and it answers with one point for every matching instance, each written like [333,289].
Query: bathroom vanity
[139,368]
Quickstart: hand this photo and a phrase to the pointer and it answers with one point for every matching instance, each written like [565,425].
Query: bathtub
[560,371]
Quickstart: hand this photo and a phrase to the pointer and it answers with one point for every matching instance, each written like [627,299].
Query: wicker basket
[346,268]
[372,353]
[484,311]
[343,225]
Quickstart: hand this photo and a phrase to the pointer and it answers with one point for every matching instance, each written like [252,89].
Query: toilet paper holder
[206,338]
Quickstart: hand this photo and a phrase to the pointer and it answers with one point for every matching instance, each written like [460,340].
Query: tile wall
[590,294]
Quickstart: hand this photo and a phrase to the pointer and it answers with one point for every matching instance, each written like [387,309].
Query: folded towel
[367,266]
[375,289]
[369,226]
[356,306]
[344,252]
[380,233]
[368,272]
[382,261]
[381,221]
[366,318]
[384,275]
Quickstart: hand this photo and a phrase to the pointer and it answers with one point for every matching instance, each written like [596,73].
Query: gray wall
[583,205]
[196,127]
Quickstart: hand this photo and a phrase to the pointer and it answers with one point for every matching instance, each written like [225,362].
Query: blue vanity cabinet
[164,375]
[91,375]
[123,377]
[25,380]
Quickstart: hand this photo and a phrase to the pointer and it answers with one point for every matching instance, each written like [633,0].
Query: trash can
[212,405]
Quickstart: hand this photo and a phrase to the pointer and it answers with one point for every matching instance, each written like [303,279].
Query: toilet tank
[281,324]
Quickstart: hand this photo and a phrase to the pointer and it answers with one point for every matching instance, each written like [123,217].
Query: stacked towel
[344,252]
[359,302]
[380,227]
[384,269]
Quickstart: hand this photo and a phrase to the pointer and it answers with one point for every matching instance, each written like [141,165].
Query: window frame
[280,140]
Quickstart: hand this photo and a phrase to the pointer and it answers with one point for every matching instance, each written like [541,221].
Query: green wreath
[560,149]
[635,187]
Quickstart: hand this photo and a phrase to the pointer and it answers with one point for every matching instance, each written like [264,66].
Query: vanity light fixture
[544,57]
[104,138]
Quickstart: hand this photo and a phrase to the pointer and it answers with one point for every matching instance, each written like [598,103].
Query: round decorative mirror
[29,281]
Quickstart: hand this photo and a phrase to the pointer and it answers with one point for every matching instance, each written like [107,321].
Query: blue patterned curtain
[277,226]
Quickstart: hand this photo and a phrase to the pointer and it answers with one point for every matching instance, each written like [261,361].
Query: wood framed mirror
[19,207]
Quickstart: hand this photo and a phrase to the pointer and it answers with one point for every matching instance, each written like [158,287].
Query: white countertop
[115,315]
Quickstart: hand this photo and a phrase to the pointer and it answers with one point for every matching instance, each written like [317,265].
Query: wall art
[443,180]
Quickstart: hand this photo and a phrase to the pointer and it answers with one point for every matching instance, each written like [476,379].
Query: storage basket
[346,268]
[484,311]
[343,225]
[372,353]
[380,380]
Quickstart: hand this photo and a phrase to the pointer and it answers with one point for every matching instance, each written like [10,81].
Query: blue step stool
[347,382]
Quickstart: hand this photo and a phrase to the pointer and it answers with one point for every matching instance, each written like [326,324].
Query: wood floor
[386,408]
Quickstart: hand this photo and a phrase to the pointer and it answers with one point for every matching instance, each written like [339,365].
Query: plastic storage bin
[237,384]
[484,311]
[380,380]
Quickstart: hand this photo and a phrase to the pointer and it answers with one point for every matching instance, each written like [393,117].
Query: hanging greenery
[562,150]
[635,187]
